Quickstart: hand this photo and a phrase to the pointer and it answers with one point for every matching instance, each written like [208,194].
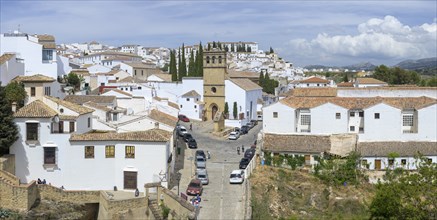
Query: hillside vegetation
[279,193]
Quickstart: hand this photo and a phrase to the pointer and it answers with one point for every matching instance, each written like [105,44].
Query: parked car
[202,175]
[249,153]
[244,129]
[244,162]
[259,117]
[250,125]
[237,129]
[234,135]
[195,187]
[200,153]
[255,122]
[181,130]
[192,143]
[237,176]
[200,162]
[187,137]
[183,118]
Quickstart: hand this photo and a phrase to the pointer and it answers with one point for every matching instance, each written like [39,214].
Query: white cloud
[386,38]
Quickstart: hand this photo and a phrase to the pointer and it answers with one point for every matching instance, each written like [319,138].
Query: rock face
[47,209]
[301,195]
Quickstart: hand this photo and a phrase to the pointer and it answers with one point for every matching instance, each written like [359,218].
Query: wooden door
[130,180]
[377,164]
[307,159]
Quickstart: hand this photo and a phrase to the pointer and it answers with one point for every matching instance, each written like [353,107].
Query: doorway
[377,164]
[130,180]
[214,110]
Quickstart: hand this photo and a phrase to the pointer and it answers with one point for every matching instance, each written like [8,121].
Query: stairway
[156,210]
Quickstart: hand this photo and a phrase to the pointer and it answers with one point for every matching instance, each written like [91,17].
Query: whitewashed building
[10,67]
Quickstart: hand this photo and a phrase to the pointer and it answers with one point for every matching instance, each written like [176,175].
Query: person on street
[238,150]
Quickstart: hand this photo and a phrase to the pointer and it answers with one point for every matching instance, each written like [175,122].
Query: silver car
[202,175]
[200,162]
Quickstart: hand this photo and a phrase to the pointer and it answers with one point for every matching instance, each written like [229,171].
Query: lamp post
[179,180]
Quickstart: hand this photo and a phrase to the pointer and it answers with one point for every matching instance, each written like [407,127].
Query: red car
[183,118]
[195,187]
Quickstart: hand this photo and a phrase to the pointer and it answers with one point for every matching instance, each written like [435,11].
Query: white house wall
[82,123]
[234,93]
[411,162]
[372,92]
[189,84]
[427,119]
[10,69]
[283,124]
[63,65]
[323,119]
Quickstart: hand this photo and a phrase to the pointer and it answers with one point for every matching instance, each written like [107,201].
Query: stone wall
[9,178]
[75,196]
[7,163]
[180,208]
[343,144]
[134,208]
[18,197]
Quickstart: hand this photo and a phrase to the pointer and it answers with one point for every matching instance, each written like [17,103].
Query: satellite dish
[56,119]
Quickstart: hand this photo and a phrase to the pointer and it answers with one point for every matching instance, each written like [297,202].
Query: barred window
[31,131]
[89,151]
[404,162]
[377,115]
[337,115]
[275,114]
[110,151]
[130,151]
[352,128]
[49,155]
[352,114]
[407,120]
[305,119]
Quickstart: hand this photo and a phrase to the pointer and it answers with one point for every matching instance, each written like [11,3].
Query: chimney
[14,107]
[156,125]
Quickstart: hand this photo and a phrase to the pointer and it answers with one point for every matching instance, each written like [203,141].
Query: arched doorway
[214,110]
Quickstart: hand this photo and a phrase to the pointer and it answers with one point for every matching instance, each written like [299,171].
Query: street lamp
[178,178]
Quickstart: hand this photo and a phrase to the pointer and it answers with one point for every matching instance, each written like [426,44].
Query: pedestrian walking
[242,148]
[238,150]
[191,126]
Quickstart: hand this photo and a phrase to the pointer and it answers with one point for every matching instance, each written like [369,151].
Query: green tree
[407,195]
[226,111]
[432,82]
[14,92]
[8,129]
[173,69]
[345,78]
[271,50]
[73,80]
[199,61]
[235,110]
[191,65]
[179,65]
[183,69]
[261,79]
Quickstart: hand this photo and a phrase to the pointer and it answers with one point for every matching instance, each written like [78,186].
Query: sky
[327,32]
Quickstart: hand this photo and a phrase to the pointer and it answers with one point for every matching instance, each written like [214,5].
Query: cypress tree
[226,111]
[214,45]
[191,65]
[199,61]
[173,69]
[209,46]
[261,79]
[183,70]
[266,83]
[8,129]
[235,110]
[179,66]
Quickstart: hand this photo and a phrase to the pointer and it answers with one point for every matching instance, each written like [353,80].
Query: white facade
[10,69]
[279,119]
[246,101]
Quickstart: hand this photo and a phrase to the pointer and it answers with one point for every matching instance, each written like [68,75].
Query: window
[89,122]
[61,110]
[32,131]
[47,55]
[135,72]
[361,130]
[181,106]
[213,59]
[275,114]
[197,99]
[364,163]
[404,162]
[142,74]
[361,114]
[47,90]
[337,115]
[220,59]
[61,127]
[376,115]
[110,151]
[407,120]
[71,126]
[429,160]
[352,128]
[130,151]
[391,162]
[50,155]
[195,106]
[207,59]
[213,90]
[188,99]
[89,151]
[352,114]
[32,91]
[305,119]
[139,88]
[318,84]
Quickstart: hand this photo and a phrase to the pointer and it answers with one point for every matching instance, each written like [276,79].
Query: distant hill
[426,66]
[361,66]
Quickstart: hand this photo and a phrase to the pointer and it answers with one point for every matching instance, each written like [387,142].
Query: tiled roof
[359,103]
[191,93]
[345,84]
[97,106]
[6,57]
[128,79]
[174,105]
[73,106]
[246,84]
[369,81]
[35,109]
[314,92]
[163,117]
[67,117]
[164,76]
[394,88]
[383,149]
[153,135]
[118,91]
[45,37]
[242,74]
[139,65]
[113,53]
[296,143]
[314,79]
[80,99]
[34,78]
[48,45]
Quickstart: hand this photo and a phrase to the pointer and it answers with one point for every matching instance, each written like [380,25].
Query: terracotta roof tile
[48,45]
[35,109]
[383,149]
[6,57]
[246,84]
[73,106]
[191,93]
[174,105]
[80,99]
[369,81]
[242,74]
[314,79]
[67,117]
[94,105]
[34,78]
[117,91]
[153,135]
[140,65]
[296,143]
[164,76]
[313,92]
[345,84]
[163,117]
[45,37]
[128,79]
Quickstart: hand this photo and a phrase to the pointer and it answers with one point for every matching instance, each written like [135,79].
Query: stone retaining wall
[18,198]
[7,163]
[75,196]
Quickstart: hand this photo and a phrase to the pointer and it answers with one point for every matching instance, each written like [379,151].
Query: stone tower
[214,74]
